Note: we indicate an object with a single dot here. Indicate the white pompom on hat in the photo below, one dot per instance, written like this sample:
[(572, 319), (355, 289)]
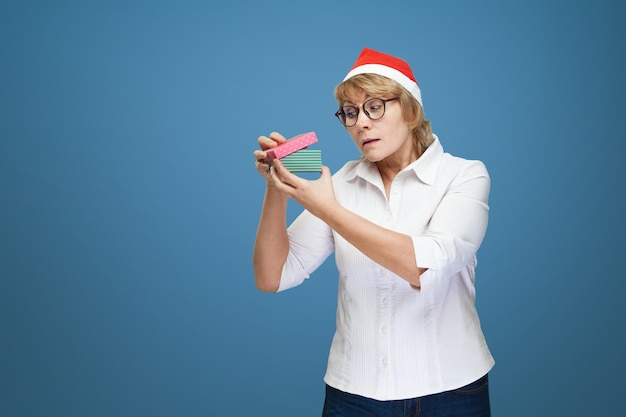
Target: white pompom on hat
[(374, 62)]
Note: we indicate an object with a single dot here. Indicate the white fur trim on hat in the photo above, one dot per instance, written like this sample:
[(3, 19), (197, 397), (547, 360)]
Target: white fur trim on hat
[(410, 85)]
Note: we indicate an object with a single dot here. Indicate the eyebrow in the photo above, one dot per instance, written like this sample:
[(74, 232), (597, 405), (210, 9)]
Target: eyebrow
[(351, 104)]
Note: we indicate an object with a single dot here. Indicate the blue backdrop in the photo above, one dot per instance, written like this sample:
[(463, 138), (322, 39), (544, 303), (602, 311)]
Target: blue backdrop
[(129, 198)]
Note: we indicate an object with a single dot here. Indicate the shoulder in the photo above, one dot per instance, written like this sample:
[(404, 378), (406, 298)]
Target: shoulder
[(457, 166), (437, 166), (464, 177)]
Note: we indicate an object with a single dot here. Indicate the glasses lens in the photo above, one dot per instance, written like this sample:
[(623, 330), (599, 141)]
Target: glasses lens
[(348, 115), (375, 108)]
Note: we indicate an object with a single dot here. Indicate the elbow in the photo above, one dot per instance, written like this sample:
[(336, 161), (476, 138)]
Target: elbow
[(266, 277), (414, 278), (263, 287), (264, 284)]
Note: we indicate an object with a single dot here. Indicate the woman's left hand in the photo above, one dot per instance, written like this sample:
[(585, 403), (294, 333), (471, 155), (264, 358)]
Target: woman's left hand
[(317, 196)]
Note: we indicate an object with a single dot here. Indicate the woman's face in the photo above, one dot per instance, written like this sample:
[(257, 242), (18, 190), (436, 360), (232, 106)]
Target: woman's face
[(388, 138)]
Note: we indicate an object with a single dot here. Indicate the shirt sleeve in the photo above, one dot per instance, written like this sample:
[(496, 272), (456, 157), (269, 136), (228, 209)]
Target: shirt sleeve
[(310, 243), (459, 223)]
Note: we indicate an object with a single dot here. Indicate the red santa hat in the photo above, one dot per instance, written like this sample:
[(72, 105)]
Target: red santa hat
[(374, 62)]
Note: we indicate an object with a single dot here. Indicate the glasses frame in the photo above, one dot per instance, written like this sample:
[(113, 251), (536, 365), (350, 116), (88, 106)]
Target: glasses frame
[(340, 112)]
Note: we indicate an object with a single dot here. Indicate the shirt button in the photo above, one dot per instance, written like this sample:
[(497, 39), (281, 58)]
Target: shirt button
[(384, 361), (384, 330), (385, 301)]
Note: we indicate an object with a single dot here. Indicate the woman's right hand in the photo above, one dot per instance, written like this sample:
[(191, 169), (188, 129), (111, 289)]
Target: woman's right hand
[(266, 143)]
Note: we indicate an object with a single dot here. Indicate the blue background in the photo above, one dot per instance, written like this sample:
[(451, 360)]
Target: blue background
[(129, 198)]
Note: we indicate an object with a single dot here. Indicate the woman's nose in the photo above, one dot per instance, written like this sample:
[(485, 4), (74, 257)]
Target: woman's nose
[(363, 119)]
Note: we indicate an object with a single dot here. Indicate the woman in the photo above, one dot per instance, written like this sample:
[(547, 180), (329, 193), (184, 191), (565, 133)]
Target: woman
[(405, 222)]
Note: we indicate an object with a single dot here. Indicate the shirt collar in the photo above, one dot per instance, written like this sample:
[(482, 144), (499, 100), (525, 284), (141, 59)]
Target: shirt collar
[(425, 167)]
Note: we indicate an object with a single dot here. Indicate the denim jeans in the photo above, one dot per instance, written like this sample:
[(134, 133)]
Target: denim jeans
[(471, 400)]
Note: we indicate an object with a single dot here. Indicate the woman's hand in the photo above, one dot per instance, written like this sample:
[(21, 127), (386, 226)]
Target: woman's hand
[(266, 143), (317, 196)]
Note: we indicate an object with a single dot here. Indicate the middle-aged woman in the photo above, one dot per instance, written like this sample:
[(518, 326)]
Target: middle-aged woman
[(405, 222)]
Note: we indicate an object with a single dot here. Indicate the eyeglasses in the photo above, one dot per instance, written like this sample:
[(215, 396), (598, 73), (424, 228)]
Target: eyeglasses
[(374, 108)]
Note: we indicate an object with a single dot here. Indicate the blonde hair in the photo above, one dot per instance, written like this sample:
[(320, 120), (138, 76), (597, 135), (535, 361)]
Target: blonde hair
[(375, 85)]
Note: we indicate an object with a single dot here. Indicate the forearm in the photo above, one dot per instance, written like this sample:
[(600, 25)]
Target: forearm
[(392, 250), (271, 245)]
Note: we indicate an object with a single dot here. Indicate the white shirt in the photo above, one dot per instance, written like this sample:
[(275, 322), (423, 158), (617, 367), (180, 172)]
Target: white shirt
[(393, 341)]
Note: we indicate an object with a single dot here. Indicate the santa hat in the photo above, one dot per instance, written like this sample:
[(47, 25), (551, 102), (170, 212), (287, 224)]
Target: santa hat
[(374, 62)]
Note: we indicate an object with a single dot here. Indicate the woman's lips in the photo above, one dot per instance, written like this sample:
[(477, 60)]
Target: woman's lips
[(368, 141)]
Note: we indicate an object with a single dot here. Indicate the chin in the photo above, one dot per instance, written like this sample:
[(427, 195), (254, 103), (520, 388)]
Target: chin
[(373, 158)]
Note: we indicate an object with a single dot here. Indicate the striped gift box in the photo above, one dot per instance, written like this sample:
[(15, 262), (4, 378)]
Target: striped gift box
[(305, 160), (295, 156)]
